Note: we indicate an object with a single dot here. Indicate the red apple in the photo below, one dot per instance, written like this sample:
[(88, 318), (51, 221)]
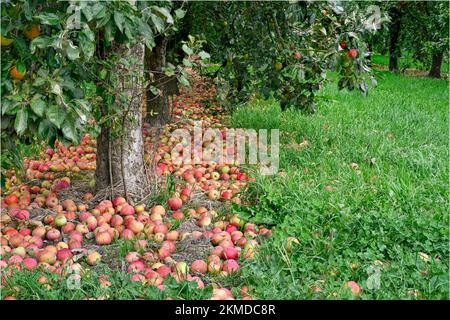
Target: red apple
[(159, 210), (226, 195), (214, 267), (127, 234), (136, 226), (175, 203), (178, 215), (136, 267), (118, 201), (53, 234), (353, 53), (30, 263), (204, 221), (64, 255), (47, 257), (132, 256), (230, 253), (355, 288), (230, 266), (127, 210), (116, 220), (137, 278), (199, 266), (103, 238), (160, 228), (163, 271), (93, 258)]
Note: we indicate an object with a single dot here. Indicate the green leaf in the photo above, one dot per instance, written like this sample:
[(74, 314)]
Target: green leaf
[(82, 109), (183, 80), (187, 50), (204, 55), (102, 74), (157, 22), (169, 70), (105, 18), (109, 32), (38, 105), (47, 130), (180, 13), (56, 88), (154, 90), (68, 129), (41, 78), (187, 63), (165, 12), (20, 124), (87, 12), (149, 41), (147, 33), (353, 35), (56, 115), (72, 51), (40, 42), (49, 18), (98, 10), (119, 19), (86, 41), (128, 32), (21, 46), (21, 67), (8, 105)]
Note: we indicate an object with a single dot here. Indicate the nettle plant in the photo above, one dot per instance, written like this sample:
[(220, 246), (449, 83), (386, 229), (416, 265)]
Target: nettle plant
[(284, 49)]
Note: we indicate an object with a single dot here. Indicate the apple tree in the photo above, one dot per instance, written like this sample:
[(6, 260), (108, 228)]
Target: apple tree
[(283, 48), (71, 68)]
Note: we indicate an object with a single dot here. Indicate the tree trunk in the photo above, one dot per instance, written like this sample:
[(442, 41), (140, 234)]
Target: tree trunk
[(102, 176), (435, 71), (125, 155), (394, 34), (158, 112)]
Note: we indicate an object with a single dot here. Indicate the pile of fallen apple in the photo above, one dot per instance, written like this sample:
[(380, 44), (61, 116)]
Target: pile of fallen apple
[(64, 240)]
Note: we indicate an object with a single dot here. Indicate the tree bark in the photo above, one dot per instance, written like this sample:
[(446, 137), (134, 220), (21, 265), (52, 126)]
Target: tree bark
[(125, 155), (102, 176), (435, 70), (394, 34), (158, 112)]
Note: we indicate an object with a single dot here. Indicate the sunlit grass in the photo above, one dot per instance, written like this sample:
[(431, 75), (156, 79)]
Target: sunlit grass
[(390, 209)]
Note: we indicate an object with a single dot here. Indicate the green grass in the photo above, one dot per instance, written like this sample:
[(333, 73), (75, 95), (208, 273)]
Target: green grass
[(392, 208), (24, 285), (407, 62), (13, 153)]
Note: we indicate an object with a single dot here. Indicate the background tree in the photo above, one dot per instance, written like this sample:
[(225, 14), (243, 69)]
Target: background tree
[(424, 35), (162, 83), (396, 11), (438, 40), (281, 48), (417, 35)]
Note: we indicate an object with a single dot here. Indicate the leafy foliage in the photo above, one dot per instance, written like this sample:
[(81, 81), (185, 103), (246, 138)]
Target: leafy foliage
[(67, 62), (423, 32), (282, 48)]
